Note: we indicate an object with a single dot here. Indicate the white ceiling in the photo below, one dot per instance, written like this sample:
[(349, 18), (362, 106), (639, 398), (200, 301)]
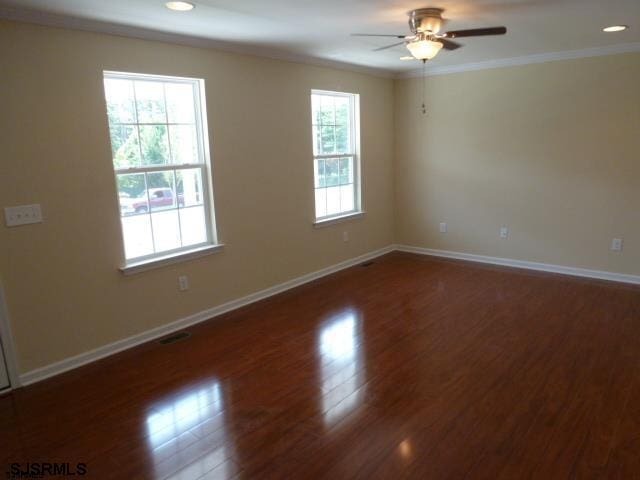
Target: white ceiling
[(320, 29)]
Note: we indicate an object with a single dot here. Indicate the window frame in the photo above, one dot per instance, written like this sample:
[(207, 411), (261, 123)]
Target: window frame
[(354, 136), (211, 244)]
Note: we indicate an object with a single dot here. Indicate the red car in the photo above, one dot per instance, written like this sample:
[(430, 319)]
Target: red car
[(160, 198)]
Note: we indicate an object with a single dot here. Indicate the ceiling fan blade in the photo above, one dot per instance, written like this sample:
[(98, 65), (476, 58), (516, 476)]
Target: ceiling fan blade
[(376, 35), (476, 32), (448, 44), (388, 46)]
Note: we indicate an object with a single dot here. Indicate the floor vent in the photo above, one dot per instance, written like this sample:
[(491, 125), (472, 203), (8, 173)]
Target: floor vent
[(366, 264), (176, 337)]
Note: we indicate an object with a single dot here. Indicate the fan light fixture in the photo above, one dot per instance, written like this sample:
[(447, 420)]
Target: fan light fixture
[(615, 28), (180, 6), (424, 49)]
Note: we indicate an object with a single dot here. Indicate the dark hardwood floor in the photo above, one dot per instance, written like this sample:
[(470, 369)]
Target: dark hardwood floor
[(412, 367)]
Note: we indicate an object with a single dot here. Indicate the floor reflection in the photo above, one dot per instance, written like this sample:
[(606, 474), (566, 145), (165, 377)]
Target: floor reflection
[(188, 437), (342, 365), (406, 449)]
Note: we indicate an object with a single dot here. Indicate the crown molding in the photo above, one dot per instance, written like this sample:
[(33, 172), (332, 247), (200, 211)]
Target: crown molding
[(523, 60), (48, 19)]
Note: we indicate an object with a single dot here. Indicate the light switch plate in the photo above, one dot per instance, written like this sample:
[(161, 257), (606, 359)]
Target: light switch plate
[(22, 215)]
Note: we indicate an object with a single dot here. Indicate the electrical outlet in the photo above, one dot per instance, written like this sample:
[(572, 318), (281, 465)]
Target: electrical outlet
[(443, 227), (504, 232), (22, 215), (616, 244), (183, 283), (345, 236)]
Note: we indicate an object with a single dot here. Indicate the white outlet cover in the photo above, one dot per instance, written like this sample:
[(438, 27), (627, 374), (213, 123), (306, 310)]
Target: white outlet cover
[(443, 227), (504, 232), (616, 244)]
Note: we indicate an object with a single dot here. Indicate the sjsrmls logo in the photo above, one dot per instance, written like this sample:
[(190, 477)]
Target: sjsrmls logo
[(46, 469)]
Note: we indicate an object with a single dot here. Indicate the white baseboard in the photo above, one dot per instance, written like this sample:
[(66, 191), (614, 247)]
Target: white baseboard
[(120, 345), (508, 262)]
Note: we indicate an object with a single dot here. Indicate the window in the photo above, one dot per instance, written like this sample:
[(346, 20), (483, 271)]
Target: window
[(160, 159), (335, 153)]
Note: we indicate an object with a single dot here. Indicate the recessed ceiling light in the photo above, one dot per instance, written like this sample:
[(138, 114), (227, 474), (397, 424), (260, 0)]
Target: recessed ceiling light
[(615, 28), (180, 6)]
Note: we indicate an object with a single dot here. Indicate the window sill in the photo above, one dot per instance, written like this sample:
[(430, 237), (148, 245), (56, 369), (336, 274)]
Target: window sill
[(342, 218), (144, 265)]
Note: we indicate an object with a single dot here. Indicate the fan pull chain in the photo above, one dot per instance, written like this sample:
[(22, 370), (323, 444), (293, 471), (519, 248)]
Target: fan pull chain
[(424, 81)]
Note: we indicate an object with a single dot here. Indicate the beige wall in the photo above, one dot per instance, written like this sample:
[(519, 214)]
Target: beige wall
[(550, 150), (65, 294)]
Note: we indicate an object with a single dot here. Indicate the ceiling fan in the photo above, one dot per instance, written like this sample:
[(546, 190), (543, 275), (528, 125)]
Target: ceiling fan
[(426, 40)]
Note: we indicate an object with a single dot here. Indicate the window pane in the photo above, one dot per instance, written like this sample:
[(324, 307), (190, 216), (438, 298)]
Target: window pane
[(317, 141), (132, 192), (346, 170), (193, 224), (120, 100), (316, 116), (184, 144), (327, 140), (136, 231), (150, 102), (321, 202), (327, 116), (189, 187), (347, 198), (180, 103), (342, 111), (319, 179), (125, 146), (155, 144), (333, 200), (166, 230), (342, 139), (332, 171), (161, 190)]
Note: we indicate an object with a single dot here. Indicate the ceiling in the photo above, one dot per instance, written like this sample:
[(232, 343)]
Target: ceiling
[(320, 29)]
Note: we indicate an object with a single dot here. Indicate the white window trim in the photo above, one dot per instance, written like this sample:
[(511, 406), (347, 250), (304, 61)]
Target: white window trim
[(325, 222), (169, 259), (357, 212), (155, 260)]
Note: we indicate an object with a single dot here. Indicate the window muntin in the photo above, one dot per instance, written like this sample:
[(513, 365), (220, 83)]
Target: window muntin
[(160, 160), (335, 153)]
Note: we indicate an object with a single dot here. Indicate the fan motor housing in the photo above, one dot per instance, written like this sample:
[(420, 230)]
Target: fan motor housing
[(425, 20)]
